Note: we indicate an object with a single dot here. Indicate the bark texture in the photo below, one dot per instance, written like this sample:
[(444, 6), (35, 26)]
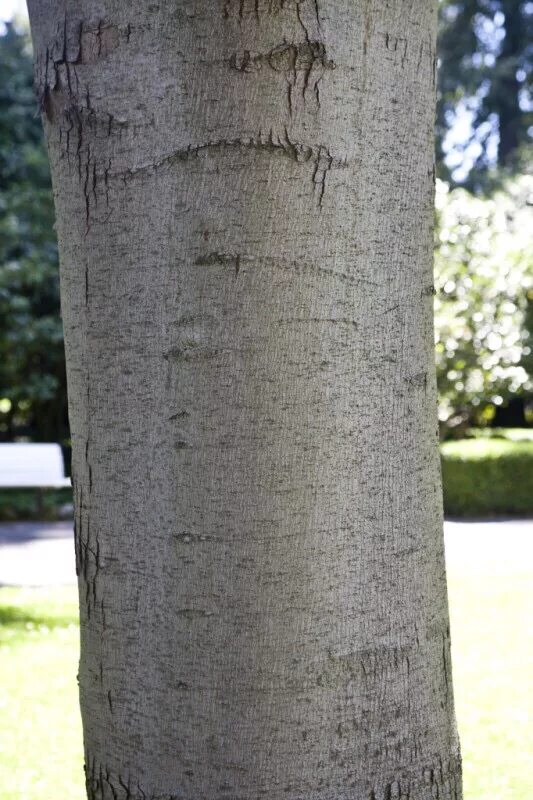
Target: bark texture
[(244, 194)]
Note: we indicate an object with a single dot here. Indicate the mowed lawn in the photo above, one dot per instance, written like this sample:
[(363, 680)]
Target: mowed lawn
[(40, 730)]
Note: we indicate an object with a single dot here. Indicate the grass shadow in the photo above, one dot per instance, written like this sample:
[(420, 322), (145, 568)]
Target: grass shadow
[(17, 617)]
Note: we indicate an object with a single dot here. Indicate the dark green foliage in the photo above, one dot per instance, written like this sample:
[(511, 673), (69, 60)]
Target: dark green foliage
[(32, 372), (488, 476), (485, 56), (33, 504)]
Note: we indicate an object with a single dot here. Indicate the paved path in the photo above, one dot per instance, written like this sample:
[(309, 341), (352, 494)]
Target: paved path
[(42, 554), (489, 548), (36, 554)]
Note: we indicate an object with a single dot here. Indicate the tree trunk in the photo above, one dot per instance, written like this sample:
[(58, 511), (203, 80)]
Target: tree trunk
[(244, 195)]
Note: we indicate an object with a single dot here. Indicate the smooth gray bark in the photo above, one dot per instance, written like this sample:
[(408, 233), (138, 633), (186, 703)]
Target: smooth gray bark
[(244, 195)]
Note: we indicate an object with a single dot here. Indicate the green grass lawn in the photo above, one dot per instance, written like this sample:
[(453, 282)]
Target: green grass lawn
[(40, 728), (492, 660), (40, 731)]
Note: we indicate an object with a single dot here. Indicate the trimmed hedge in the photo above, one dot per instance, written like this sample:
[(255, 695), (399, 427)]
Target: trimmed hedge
[(30, 504), (488, 476)]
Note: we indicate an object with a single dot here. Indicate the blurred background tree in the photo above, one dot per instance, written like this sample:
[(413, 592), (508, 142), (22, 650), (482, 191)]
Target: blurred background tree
[(484, 260), (484, 110), (32, 371)]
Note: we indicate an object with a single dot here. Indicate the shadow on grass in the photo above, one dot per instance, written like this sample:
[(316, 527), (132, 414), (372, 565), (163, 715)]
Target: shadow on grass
[(16, 617)]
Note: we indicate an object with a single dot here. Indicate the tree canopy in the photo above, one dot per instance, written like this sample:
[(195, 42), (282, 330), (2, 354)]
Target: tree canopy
[(32, 372), (484, 82)]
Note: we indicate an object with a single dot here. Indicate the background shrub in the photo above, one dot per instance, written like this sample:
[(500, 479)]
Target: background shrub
[(488, 475)]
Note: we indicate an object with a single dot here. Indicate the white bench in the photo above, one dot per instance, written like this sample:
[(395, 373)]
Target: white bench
[(32, 465)]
